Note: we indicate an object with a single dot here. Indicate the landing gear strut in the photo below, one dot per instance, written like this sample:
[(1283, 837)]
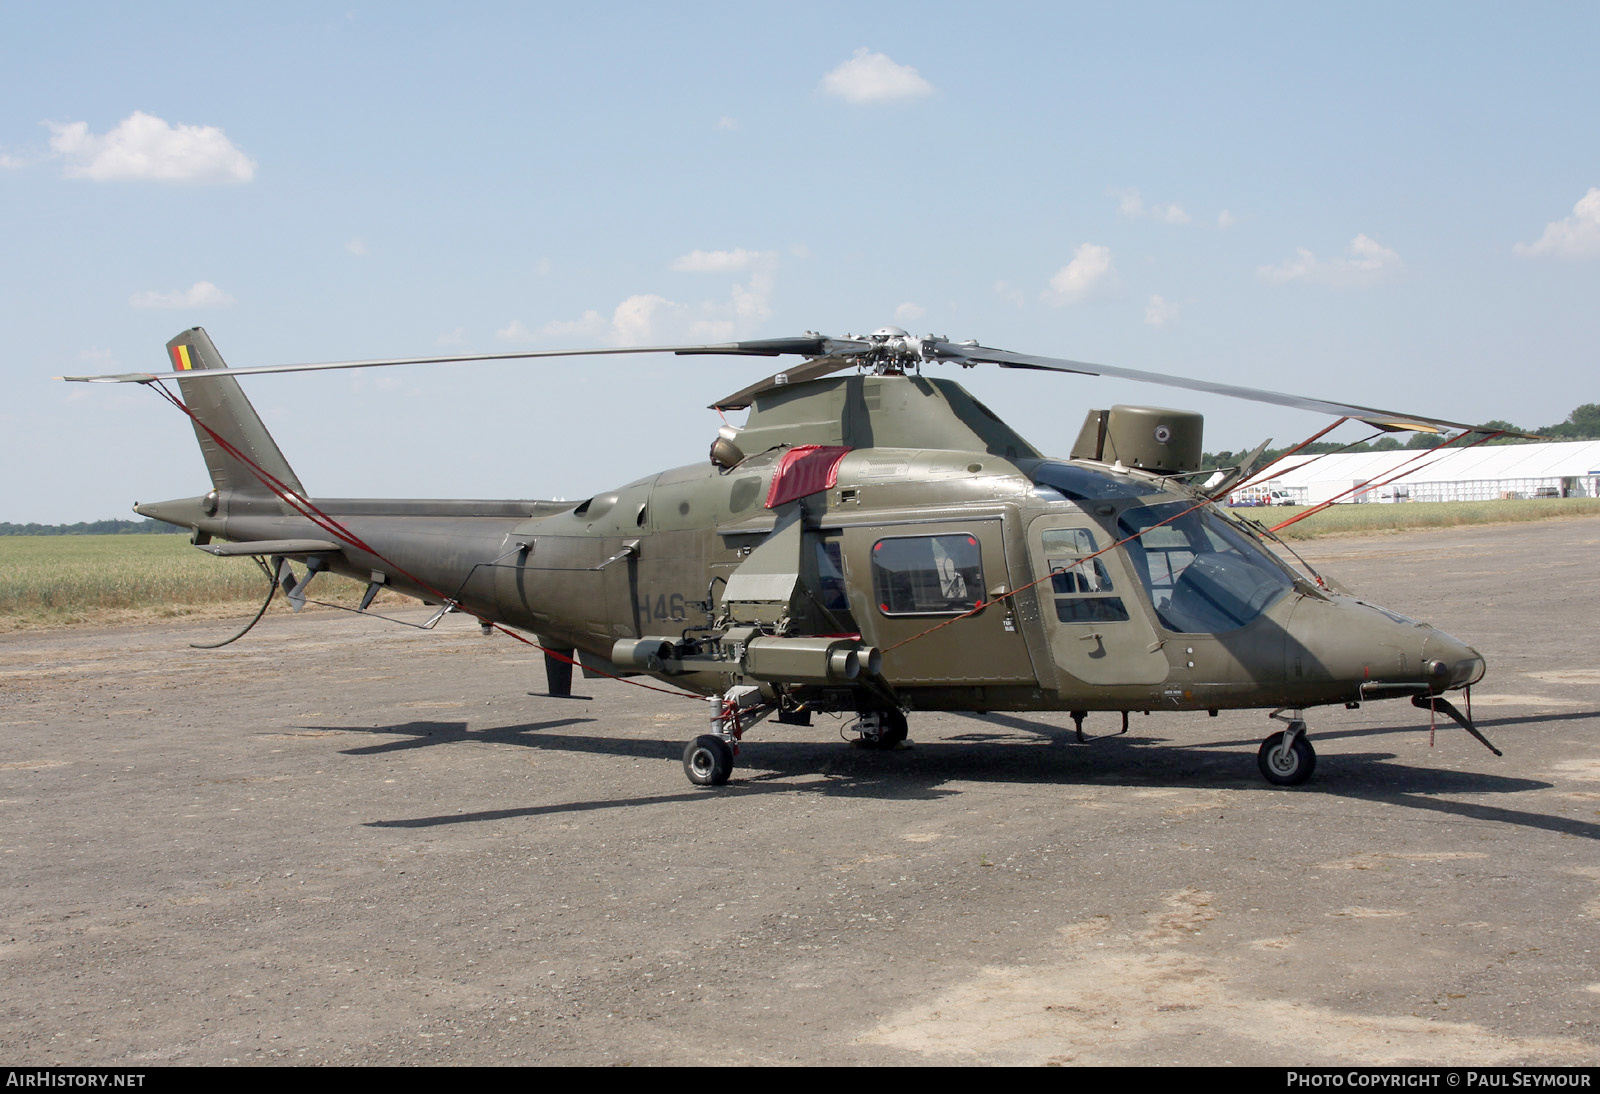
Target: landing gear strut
[(1287, 758), (708, 759)]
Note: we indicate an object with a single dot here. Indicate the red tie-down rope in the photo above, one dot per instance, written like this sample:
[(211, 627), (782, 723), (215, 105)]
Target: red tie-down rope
[(306, 508)]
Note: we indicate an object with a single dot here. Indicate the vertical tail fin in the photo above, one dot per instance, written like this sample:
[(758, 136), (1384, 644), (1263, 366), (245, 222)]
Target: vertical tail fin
[(222, 406)]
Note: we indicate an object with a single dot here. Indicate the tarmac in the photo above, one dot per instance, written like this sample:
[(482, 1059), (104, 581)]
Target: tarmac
[(341, 841)]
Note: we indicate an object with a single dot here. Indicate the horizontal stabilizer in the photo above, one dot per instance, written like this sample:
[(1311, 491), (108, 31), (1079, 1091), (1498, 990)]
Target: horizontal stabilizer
[(271, 547)]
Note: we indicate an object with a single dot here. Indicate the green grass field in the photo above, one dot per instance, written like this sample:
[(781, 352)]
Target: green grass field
[(1409, 516), (63, 580), (57, 580)]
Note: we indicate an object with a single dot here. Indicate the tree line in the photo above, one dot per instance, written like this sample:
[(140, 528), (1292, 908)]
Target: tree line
[(91, 528)]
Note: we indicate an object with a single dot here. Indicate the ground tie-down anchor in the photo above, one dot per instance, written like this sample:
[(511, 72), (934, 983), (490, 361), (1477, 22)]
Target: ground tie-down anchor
[(1432, 703)]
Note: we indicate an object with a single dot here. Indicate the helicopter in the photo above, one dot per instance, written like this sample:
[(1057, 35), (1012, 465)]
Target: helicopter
[(871, 542)]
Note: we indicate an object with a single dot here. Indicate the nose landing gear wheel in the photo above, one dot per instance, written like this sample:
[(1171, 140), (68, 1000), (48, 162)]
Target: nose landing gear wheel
[(708, 761), (1287, 766)]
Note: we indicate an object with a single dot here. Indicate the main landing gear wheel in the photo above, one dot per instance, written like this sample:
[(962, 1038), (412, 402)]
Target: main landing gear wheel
[(890, 733), (708, 761), (1287, 766)]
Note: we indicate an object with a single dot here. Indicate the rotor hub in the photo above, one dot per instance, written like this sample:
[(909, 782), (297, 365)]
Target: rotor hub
[(893, 350)]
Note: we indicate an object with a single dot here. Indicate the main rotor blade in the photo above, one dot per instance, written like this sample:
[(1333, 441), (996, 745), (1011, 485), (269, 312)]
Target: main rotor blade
[(828, 355), (807, 345), (1383, 419)]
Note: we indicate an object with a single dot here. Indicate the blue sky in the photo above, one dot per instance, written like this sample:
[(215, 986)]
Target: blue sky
[(1387, 204)]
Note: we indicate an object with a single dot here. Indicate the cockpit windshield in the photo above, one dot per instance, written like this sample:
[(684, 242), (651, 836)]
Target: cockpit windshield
[(1201, 574)]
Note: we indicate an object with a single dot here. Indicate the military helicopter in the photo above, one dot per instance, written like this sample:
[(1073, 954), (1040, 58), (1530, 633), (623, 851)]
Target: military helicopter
[(872, 543)]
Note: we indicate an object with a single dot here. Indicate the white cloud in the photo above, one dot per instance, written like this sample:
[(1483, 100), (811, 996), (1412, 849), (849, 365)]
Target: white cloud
[(1009, 293), (515, 331), (457, 337), (145, 147), (1090, 270), (202, 294), (1132, 207), (356, 247), (800, 250), (909, 312), (1368, 256), (753, 302), (1303, 265), (711, 330), (871, 77), (720, 261), (589, 326), (728, 124), (749, 303), (634, 319), (648, 318), (1226, 219), (1576, 236), (1364, 261), (632, 323), (1160, 312)]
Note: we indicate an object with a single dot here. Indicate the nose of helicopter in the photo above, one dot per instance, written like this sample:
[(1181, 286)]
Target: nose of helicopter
[(1448, 662), (1345, 639)]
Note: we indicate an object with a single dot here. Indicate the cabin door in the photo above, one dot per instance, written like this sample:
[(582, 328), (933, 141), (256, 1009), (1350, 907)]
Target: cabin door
[(904, 580), (1092, 607)]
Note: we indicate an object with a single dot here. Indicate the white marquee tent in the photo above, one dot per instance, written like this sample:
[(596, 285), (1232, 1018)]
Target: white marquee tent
[(1546, 469)]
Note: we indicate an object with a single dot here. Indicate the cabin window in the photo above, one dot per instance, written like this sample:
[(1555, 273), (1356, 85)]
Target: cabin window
[(927, 575), (1202, 576), (1079, 582)]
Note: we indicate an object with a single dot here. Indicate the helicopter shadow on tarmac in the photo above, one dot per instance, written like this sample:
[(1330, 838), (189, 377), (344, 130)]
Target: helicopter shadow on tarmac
[(1058, 733), (934, 769), (432, 734), (1365, 776)]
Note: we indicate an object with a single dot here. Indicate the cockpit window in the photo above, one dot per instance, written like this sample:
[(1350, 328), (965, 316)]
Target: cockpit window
[(1080, 583), (1202, 576), (1091, 484)]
